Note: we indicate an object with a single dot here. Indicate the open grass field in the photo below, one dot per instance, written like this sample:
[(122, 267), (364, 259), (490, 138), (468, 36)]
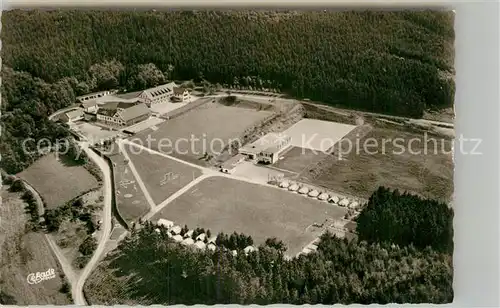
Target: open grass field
[(23, 252), (130, 201), (297, 159), (222, 204), (206, 129), (58, 181), (161, 176), (403, 163)]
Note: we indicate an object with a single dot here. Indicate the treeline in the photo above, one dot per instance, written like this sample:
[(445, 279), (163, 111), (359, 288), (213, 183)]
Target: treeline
[(390, 62), (159, 271), (404, 219), (382, 269), (377, 61)]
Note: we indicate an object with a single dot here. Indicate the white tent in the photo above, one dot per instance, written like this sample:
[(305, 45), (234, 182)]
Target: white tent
[(211, 247), (177, 238), (354, 205), (284, 184), (323, 197), (201, 237), (344, 202), (303, 190), (334, 199), (293, 187), (249, 249), (187, 241), (313, 193), (188, 234), (176, 230), (213, 239), (200, 245), (166, 223)]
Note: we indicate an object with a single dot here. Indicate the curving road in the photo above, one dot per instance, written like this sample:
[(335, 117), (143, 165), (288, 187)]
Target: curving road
[(77, 289)]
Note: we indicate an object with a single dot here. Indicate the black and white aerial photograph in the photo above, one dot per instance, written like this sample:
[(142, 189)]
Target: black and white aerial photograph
[(227, 156)]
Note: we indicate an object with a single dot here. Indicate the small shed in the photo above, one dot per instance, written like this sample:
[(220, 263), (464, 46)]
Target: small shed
[(334, 199), (323, 197), (176, 230), (187, 241), (293, 187), (177, 238), (200, 245), (304, 190), (313, 193)]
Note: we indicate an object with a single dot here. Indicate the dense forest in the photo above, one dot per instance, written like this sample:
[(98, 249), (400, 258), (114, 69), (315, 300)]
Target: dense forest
[(148, 267), (406, 219), (390, 62)]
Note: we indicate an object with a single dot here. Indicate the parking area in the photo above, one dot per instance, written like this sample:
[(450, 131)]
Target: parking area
[(94, 133)]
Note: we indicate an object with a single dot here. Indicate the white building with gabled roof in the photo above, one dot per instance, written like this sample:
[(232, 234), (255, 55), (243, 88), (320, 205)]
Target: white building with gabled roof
[(158, 95)]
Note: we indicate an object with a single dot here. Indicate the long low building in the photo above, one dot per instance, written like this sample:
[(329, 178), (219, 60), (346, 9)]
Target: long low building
[(267, 149)]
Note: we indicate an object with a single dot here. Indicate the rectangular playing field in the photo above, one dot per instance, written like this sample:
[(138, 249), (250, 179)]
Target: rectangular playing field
[(316, 134), (206, 129), (161, 176), (226, 205)]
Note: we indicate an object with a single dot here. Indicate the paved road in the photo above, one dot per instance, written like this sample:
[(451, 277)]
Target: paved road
[(77, 289)]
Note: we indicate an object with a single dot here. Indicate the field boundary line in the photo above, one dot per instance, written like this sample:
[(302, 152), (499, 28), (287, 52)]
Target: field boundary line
[(152, 204)]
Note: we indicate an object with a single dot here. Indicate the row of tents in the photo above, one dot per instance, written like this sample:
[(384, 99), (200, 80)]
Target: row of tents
[(201, 242), (323, 196)]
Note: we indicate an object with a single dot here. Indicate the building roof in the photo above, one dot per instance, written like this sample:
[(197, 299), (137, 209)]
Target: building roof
[(135, 112), (270, 143), (129, 95), (94, 93), (90, 103), (249, 249), (189, 233), (74, 114), (211, 246), (201, 237), (179, 90), (159, 90), (213, 239), (188, 241), (177, 238)]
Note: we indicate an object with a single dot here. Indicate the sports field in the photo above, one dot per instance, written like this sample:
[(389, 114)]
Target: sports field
[(206, 129), (161, 176), (225, 205), (316, 134), (58, 181)]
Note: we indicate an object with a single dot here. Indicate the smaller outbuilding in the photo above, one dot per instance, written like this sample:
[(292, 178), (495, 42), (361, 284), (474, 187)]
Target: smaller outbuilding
[(211, 247), (293, 187), (188, 234), (284, 184), (201, 237), (344, 202)]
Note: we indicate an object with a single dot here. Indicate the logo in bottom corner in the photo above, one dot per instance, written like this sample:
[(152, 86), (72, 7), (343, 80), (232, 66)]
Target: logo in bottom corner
[(35, 278)]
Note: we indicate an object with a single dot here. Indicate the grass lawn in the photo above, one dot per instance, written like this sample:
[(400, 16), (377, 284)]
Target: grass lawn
[(222, 204), (58, 181), (23, 252), (162, 176), (360, 174)]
